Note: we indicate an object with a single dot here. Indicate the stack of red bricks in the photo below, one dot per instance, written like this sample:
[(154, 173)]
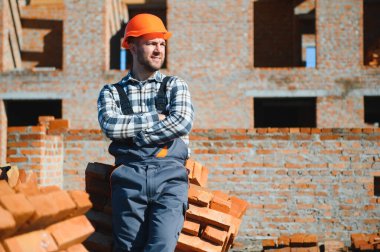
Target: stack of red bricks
[(212, 220), (294, 243), (365, 242), (34, 218)]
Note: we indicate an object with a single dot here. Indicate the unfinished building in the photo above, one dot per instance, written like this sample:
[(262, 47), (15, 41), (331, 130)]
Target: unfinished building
[(286, 94)]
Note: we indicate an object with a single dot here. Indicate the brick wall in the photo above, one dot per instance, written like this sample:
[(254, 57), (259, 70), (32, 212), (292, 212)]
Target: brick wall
[(296, 180), (350, 114), (80, 148), (3, 133), (221, 76), (31, 149)]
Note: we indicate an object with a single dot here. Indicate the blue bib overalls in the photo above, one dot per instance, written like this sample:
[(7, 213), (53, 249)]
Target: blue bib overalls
[(149, 195)]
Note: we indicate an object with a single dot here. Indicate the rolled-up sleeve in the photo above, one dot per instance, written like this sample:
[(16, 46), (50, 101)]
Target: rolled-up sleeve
[(179, 121), (114, 124)]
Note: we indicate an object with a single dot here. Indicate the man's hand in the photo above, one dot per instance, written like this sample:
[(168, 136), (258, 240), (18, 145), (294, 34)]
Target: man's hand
[(161, 116)]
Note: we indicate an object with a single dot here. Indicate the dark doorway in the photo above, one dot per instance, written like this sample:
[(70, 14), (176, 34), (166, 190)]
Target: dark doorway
[(285, 112), (26, 112)]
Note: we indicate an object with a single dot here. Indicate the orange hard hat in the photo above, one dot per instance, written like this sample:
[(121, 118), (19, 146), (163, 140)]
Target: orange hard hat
[(143, 24)]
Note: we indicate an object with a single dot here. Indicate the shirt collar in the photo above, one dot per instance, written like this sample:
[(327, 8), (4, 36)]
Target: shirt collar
[(156, 77)]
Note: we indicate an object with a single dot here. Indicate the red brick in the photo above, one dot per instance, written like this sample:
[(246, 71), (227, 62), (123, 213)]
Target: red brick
[(232, 233), (28, 185), (238, 207), (310, 238), (18, 206), (268, 243), (194, 243), (210, 216), (236, 225), (81, 200), (16, 159), (63, 202), (214, 235), (199, 195), (18, 129), (283, 240), (331, 245), (308, 249), (70, 232), (5, 188), (197, 174), (297, 238), (34, 241), (366, 246), (58, 126), (204, 177), (48, 189), (7, 223), (373, 238), (220, 202), (359, 243), (191, 227), (358, 236), (46, 211)]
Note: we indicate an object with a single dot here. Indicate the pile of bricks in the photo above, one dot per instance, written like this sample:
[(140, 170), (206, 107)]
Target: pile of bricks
[(34, 218), (365, 242), (212, 220), (294, 243)]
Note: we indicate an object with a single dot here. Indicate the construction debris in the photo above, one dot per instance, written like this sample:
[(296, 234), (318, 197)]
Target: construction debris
[(34, 218), (212, 220), (365, 242)]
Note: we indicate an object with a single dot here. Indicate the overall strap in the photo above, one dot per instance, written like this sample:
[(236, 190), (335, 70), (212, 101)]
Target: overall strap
[(161, 101), (126, 106)]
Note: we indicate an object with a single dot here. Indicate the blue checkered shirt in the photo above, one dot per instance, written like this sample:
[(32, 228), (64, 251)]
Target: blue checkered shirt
[(144, 126)]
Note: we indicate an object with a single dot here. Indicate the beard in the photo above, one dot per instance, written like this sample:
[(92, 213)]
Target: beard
[(149, 65)]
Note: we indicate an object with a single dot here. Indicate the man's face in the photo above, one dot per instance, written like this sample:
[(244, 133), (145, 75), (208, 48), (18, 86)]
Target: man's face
[(150, 53)]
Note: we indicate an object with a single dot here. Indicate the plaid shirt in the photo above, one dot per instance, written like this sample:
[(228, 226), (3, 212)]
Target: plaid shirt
[(144, 125)]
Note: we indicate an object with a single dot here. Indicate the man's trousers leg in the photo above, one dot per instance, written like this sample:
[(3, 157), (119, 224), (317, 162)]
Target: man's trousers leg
[(129, 208), (167, 207), (149, 203)]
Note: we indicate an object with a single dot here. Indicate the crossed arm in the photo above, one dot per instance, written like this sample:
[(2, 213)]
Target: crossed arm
[(150, 127)]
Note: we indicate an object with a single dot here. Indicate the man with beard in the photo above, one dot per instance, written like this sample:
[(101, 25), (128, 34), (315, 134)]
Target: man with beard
[(148, 117)]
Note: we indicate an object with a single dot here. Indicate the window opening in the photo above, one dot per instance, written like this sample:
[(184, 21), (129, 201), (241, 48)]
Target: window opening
[(283, 32), (285, 112), (26, 112), (371, 32), (371, 110)]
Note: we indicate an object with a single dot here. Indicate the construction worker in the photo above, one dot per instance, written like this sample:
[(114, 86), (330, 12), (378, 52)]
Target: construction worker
[(148, 117)]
